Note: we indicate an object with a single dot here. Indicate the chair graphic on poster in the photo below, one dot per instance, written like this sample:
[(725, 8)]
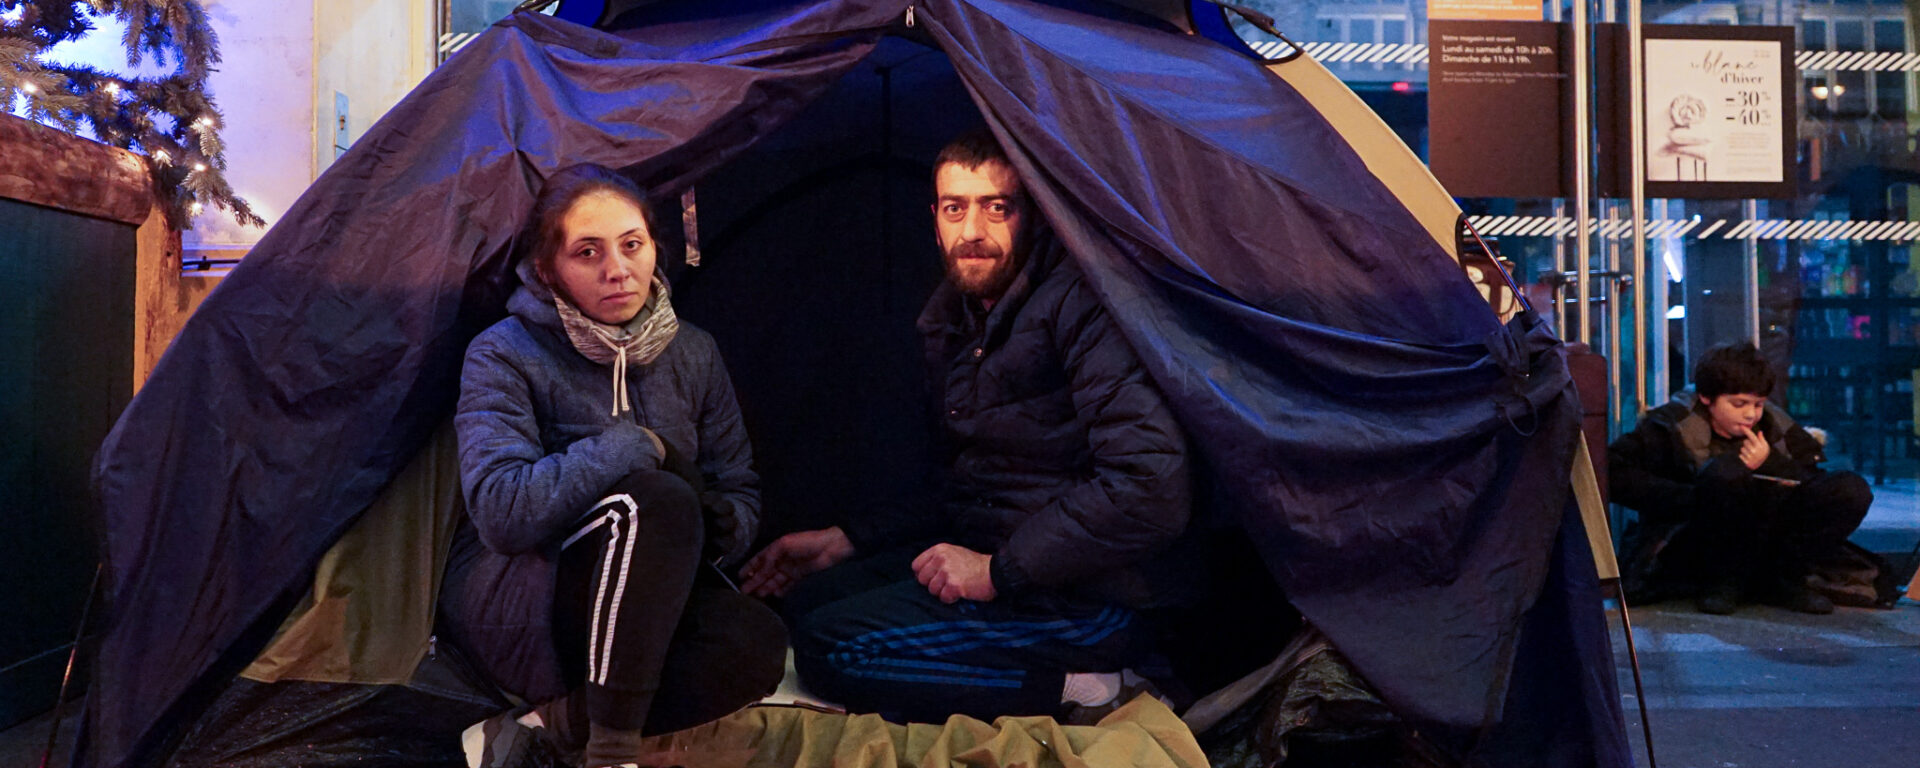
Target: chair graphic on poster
[(1686, 143)]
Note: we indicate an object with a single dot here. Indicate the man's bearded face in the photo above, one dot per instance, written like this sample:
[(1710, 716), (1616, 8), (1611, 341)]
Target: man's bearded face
[(979, 215)]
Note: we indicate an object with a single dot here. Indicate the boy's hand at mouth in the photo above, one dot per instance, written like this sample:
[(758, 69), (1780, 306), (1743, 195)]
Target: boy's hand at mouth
[(1754, 449)]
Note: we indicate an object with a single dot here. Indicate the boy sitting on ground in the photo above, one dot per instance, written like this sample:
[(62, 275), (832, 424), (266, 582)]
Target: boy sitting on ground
[(1733, 504)]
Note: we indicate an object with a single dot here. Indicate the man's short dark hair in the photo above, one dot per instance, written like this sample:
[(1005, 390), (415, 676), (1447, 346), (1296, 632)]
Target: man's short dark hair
[(971, 149), (1733, 369)]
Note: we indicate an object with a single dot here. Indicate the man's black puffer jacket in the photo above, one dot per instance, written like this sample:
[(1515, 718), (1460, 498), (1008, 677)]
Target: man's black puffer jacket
[(1063, 460)]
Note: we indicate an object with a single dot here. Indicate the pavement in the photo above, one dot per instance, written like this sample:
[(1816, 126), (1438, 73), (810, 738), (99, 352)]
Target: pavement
[(1769, 688), (1893, 523)]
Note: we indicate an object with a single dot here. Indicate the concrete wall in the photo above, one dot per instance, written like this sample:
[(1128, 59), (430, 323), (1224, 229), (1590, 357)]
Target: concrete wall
[(373, 52), (283, 63), (264, 87)]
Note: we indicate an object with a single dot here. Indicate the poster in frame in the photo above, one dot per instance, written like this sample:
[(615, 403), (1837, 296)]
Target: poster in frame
[(1721, 111)]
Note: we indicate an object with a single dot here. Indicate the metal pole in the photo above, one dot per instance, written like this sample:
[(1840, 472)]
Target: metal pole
[(1656, 314), (1556, 12), (1610, 266), (1616, 393), (60, 699), (1582, 173), (1751, 266), (1645, 317), (1559, 269)]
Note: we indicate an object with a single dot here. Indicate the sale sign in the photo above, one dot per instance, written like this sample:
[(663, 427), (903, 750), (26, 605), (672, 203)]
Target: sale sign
[(1713, 111), (1719, 111)]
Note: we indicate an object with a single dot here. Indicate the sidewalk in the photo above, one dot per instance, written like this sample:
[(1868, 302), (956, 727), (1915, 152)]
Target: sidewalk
[(1893, 524), (1768, 688)]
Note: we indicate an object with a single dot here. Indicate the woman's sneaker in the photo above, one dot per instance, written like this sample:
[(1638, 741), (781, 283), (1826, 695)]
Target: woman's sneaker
[(502, 741), (1132, 684)]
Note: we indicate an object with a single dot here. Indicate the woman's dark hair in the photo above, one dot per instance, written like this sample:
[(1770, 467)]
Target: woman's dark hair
[(560, 192), (1733, 369)]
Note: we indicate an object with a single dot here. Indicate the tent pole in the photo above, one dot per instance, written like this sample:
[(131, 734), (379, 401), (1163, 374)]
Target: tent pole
[(886, 187), (60, 700), (1513, 289), (1633, 660)]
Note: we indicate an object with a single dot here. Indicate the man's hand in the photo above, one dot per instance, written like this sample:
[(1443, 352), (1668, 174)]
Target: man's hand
[(1754, 449), (952, 572), (789, 558)]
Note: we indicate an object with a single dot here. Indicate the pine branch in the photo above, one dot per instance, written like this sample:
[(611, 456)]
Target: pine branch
[(53, 21), (171, 118), (133, 38), (17, 53)]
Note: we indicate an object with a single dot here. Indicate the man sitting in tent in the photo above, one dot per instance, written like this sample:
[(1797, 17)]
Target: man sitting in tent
[(1730, 492), (1067, 477)]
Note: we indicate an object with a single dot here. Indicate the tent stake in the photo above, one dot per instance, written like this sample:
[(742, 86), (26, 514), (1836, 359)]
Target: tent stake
[(60, 701), (1633, 660)]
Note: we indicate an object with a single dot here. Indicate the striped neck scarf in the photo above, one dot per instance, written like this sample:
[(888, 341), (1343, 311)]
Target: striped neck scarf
[(639, 341)]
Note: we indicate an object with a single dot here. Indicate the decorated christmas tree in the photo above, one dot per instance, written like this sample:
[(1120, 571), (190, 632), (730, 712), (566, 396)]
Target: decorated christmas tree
[(169, 118)]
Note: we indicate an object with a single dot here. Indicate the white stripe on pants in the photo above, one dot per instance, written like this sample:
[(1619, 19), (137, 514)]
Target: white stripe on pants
[(622, 515)]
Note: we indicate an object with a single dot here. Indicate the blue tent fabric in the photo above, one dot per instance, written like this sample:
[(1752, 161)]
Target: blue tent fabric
[(1398, 456), (307, 379)]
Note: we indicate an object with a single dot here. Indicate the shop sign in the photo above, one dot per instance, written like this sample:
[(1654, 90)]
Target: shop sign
[(1486, 10), (1497, 107)]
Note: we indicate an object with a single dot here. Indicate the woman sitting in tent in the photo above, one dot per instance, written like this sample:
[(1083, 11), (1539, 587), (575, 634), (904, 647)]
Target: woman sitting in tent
[(605, 465)]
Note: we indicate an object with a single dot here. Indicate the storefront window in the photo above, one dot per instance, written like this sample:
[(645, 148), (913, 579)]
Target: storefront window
[(474, 15), (463, 20), (1825, 281)]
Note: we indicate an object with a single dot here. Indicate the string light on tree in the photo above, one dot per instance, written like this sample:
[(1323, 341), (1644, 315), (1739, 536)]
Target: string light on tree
[(166, 117)]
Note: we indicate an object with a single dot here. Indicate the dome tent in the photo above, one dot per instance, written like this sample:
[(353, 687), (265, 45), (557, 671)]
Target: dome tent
[(1398, 455)]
